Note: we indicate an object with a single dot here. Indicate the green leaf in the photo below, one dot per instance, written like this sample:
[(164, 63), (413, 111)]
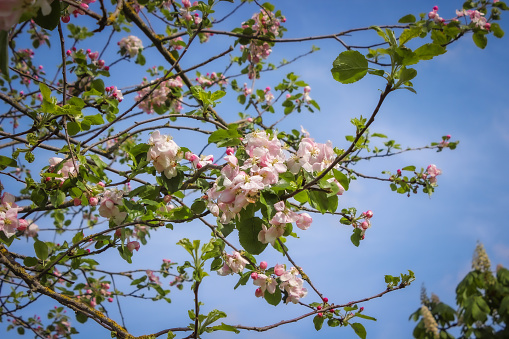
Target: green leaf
[(73, 127), (224, 327), (41, 250), (429, 51), (273, 299), (359, 330), (248, 235), (480, 39), (408, 168), (7, 162), (408, 34), (171, 335), (363, 316), (30, 261), (349, 67), (39, 197), (318, 321), (4, 52), (356, 237), (57, 198), (407, 19), (198, 206), (341, 178), (81, 317), (438, 37), (51, 20), (45, 91)]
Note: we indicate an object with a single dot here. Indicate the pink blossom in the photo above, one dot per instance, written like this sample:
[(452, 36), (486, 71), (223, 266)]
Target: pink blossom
[(303, 221)]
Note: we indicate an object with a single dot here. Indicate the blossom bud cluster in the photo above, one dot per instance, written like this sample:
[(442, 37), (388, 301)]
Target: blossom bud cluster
[(130, 45), (95, 292), (262, 23), (278, 223), (160, 96), (94, 57), (114, 93), (287, 281), (189, 15), (210, 79)]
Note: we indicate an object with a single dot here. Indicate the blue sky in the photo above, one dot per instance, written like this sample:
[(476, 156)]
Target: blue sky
[(462, 93)]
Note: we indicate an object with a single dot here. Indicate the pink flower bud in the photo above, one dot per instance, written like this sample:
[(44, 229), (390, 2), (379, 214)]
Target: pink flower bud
[(254, 275), (93, 201), (435, 8), (106, 68), (361, 309), (230, 150), (279, 270), (249, 119), (318, 308), (320, 315), (167, 198), (68, 52), (369, 214), (399, 172), (66, 19), (88, 250), (448, 136), (263, 265), (325, 300), (133, 245), (110, 299), (22, 225), (100, 183), (259, 292), (77, 201)]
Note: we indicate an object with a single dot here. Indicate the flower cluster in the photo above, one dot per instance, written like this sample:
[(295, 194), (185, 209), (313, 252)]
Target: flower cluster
[(161, 96), (476, 17), (68, 169), (109, 206), (429, 322), (287, 281), (234, 263), (312, 157), (239, 185), (12, 10), (278, 223), (164, 153), (130, 45), (199, 161), (9, 222), (431, 174)]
